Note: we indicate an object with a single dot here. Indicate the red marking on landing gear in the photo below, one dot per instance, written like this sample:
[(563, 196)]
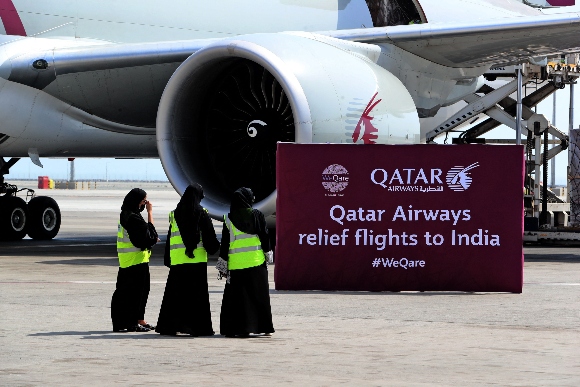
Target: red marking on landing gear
[(369, 132), (10, 18)]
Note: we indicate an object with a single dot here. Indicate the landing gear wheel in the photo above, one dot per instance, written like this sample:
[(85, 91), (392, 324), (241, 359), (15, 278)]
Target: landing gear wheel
[(13, 218), (44, 218)]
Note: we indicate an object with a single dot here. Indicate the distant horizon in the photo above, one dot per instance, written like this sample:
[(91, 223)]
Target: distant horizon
[(93, 169), (97, 180)]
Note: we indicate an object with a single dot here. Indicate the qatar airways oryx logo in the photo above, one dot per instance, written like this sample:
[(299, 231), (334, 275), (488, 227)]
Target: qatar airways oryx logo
[(459, 178), (423, 180), (365, 132), (335, 178)]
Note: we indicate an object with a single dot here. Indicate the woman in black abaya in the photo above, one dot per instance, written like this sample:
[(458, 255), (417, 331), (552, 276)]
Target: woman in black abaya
[(246, 300), (185, 307), (132, 289)]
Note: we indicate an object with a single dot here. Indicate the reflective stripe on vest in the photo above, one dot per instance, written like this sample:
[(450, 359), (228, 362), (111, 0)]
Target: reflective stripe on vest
[(128, 254), (177, 248), (245, 249)]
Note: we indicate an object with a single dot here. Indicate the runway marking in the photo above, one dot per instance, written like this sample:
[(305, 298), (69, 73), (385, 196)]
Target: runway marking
[(553, 283)]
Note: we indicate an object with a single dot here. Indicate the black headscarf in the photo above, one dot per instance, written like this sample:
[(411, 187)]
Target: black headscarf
[(131, 205), (242, 215), (187, 215), (132, 200)]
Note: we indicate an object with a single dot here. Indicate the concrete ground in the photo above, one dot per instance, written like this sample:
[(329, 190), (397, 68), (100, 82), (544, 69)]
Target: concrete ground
[(55, 324)]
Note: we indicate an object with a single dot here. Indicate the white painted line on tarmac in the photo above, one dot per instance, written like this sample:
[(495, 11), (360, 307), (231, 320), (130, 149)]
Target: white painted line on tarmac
[(69, 282), (553, 283)]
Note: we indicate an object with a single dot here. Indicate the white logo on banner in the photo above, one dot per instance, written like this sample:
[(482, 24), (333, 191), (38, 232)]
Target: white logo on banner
[(335, 178), (459, 179)]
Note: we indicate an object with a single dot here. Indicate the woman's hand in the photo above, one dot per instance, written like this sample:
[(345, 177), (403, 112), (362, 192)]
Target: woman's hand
[(149, 207)]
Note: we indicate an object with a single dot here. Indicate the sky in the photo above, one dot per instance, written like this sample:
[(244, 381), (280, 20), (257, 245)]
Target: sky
[(151, 169), (90, 169)]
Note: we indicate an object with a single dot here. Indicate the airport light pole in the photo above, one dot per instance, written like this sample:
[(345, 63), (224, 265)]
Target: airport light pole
[(72, 169)]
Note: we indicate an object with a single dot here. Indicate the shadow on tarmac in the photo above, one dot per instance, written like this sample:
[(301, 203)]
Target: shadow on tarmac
[(101, 250), (543, 257), (154, 261), (86, 247), (96, 251), (73, 333), (381, 293), (99, 335)]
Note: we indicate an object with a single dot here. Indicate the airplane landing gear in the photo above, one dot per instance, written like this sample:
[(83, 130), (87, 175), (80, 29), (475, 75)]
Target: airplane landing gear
[(44, 218), (13, 218), (40, 218)]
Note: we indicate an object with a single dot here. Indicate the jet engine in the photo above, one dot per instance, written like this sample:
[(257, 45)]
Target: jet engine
[(226, 107)]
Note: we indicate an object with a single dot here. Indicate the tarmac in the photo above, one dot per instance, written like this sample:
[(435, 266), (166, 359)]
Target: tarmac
[(55, 322)]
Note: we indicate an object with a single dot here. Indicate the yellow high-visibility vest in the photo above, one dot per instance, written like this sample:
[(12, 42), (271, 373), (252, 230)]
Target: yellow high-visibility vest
[(129, 255), (177, 248), (245, 249)]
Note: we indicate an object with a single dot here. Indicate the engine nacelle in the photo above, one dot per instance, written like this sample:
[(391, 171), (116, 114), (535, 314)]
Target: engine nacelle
[(226, 107)]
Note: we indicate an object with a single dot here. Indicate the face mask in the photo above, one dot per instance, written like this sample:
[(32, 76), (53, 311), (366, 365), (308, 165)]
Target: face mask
[(142, 208)]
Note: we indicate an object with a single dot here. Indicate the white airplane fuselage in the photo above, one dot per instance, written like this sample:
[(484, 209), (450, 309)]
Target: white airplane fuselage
[(196, 82), (34, 118), (133, 21)]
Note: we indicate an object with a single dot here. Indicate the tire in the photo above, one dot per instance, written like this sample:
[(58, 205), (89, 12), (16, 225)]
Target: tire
[(13, 218), (44, 218)]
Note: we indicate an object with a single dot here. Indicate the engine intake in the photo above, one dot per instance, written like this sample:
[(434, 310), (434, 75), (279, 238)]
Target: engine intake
[(226, 107)]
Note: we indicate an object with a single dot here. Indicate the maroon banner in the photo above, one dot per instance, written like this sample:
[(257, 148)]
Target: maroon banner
[(561, 3), (399, 217)]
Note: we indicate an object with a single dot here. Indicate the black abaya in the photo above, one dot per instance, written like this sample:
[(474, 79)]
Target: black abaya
[(185, 307), (130, 296), (132, 289), (246, 303)]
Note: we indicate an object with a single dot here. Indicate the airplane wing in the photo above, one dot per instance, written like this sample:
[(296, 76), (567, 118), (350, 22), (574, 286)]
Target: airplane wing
[(477, 43), (134, 74), (208, 108), (468, 44), (96, 58)]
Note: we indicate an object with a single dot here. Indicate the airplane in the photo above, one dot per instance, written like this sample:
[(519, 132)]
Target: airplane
[(211, 87)]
